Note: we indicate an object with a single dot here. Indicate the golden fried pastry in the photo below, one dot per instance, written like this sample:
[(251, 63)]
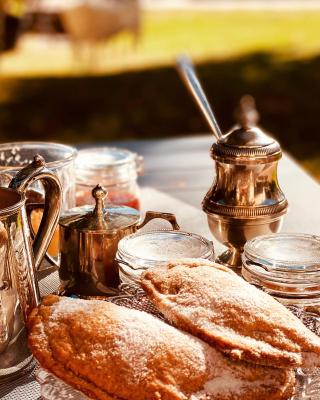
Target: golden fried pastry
[(213, 303), (112, 352)]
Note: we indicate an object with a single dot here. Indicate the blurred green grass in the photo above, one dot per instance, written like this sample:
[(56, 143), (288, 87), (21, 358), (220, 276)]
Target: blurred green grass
[(232, 33), (135, 93), (212, 34)]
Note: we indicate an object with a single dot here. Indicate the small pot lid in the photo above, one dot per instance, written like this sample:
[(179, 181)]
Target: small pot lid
[(246, 141), (100, 218)]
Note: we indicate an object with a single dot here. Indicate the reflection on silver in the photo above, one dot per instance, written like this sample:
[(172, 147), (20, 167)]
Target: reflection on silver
[(245, 199), (19, 292), (89, 238)]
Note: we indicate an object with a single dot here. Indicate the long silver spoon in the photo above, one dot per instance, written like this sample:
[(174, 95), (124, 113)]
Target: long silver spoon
[(190, 79)]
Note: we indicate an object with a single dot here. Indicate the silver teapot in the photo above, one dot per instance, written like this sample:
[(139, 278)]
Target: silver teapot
[(20, 260)]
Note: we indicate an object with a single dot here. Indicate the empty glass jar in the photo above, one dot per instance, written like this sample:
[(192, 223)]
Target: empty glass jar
[(287, 266), (115, 169), (59, 159)]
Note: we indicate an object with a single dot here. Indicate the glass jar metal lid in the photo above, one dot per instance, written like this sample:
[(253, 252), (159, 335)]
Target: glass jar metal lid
[(147, 249), (286, 265)]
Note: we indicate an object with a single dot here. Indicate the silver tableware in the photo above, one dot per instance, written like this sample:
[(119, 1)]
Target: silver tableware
[(189, 76), (89, 238), (245, 199), (19, 261)]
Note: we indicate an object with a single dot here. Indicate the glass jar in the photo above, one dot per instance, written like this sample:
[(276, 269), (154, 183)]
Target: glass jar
[(59, 159), (141, 251), (115, 169), (287, 266)]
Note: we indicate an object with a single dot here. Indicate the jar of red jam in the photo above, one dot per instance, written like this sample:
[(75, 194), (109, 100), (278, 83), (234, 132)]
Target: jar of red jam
[(116, 169)]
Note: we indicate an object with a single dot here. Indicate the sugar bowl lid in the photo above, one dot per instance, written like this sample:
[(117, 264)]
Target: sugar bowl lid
[(246, 141), (100, 218)]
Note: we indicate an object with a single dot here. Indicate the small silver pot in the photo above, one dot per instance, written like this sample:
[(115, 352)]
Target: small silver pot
[(89, 239)]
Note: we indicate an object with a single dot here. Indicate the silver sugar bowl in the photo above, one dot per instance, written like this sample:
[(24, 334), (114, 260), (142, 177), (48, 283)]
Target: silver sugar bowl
[(245, 199)]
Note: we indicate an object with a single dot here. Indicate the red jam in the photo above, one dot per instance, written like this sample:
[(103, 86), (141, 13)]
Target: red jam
[(118, 198)]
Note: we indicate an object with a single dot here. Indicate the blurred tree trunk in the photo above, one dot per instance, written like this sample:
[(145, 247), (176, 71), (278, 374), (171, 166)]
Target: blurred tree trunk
[(2, 16), (10, 31)]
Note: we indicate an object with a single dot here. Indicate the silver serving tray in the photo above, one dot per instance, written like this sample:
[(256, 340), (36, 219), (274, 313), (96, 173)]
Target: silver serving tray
[(308, 381)]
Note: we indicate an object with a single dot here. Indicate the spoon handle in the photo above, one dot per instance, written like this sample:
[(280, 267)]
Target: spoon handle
[(189, 77)]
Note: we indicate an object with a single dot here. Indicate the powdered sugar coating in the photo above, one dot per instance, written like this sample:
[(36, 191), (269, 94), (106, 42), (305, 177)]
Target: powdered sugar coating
[(211, 301), (130, 354)]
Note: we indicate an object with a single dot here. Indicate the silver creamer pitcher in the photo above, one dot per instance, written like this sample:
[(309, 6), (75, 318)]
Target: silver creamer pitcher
[(20, 259)]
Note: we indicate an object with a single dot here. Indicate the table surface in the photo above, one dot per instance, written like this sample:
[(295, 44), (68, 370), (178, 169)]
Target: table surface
[(181, 171)]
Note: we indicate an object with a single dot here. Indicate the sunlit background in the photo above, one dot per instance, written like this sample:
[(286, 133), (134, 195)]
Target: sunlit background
[(96, 70)]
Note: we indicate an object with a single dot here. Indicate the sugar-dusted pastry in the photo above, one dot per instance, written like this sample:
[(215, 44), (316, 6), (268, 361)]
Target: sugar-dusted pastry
[(213, 303), (112, 352)]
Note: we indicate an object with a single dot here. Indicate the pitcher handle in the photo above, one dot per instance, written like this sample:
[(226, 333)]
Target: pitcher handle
[(37, 171), (39, 206)]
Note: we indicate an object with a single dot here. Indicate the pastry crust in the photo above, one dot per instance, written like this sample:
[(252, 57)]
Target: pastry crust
[(115, 353), (213, 303)]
